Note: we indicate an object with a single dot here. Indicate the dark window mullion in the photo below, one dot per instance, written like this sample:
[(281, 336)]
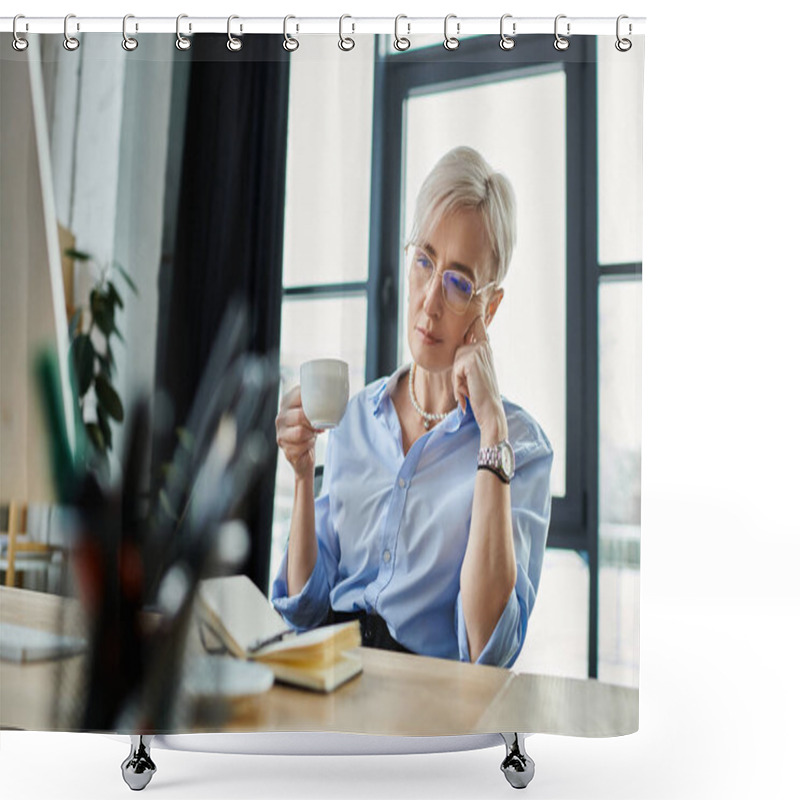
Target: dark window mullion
[(326, 290), (631, 269)]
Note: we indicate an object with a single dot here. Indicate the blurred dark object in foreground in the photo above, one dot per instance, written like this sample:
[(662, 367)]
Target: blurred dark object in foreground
[(124, 560)]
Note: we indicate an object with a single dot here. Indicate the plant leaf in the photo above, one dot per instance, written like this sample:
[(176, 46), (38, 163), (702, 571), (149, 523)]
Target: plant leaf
[(108, 398), (127, 277), (96, 436), (83, 358), (102, 421), (116, 330), (79, 254), (114, 295), (102, 312), (105, 365)]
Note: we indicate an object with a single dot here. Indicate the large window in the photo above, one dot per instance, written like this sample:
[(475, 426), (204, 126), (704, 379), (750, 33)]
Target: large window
[(518, 123), (619, 91), (532, 112), (326, 251)]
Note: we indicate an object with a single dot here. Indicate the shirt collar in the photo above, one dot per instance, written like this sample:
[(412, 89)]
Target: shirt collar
[(382, 392), (384, 388)]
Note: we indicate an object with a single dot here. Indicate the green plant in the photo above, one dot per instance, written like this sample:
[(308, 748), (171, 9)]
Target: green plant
[(95, 366)]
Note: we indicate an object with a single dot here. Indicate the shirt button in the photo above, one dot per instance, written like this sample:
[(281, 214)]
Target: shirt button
[(401, 483), (387, 556)]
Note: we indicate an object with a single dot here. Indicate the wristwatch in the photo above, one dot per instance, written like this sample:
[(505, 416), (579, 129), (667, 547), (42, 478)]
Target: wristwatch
[(499, 459)]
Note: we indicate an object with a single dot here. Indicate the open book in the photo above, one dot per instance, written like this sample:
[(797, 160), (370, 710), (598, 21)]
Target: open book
[(236, 612)]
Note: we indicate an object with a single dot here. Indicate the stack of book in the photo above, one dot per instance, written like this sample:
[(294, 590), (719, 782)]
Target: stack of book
[(238, 616)]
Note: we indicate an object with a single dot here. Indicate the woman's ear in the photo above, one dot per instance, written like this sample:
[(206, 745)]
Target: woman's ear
[(491, 308)]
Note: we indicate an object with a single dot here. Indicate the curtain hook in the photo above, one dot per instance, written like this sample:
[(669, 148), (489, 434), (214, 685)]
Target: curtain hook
[(290, 43), (128, 42), (181, 42), (233, 44), (70, 42), (451, 42), (19, 44), (401, 43), (623, 45), (507, 42), (345, 42), (560, 42)]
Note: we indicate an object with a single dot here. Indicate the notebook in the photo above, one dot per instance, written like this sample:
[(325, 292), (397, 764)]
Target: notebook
[(235, 611)]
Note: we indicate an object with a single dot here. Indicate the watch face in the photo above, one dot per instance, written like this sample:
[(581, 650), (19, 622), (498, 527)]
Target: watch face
[(507, 460)]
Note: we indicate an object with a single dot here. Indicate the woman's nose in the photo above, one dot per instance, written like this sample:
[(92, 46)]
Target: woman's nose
[(433, 295)]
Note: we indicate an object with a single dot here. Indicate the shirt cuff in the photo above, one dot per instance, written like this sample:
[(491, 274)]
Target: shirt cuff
[(506, 640), (309, 607)]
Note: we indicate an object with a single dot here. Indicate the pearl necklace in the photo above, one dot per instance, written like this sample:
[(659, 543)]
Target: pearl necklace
[(428, 419)]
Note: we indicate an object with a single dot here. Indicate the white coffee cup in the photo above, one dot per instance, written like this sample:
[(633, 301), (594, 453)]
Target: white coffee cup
[(324, 391)]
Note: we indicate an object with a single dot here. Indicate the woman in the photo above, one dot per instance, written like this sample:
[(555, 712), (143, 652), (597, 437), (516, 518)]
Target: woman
[(425, 528)]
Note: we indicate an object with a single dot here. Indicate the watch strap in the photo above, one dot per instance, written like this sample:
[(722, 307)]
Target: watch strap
[(492, 457), (497, 471)]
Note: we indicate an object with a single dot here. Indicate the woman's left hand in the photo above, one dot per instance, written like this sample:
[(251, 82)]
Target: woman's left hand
[(474, 377)]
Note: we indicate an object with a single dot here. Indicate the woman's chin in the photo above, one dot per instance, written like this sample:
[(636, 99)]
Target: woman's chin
[(430, 359)]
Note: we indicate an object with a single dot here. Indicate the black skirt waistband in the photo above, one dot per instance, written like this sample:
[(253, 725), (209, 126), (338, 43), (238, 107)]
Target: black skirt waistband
[(374, 631)]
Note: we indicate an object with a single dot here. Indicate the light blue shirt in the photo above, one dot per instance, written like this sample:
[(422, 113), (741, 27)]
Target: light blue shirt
[(392, 528)]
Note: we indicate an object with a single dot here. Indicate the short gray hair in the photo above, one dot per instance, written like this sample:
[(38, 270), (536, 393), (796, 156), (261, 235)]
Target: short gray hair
[(462, 179)]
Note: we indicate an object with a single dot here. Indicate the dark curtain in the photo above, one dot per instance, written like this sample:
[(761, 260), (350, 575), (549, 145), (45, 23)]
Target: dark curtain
[(229, 233)]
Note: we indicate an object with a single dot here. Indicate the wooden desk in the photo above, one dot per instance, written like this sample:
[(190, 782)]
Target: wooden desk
[(397, 694)]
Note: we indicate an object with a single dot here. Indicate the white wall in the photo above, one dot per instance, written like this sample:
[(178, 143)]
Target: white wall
[(109, 113), (140, 210)]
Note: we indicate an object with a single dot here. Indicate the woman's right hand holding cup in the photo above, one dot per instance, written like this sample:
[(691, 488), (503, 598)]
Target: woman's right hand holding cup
[(295, 434)]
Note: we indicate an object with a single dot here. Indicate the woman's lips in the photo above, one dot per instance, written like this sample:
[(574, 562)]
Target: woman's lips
[(426, 337)]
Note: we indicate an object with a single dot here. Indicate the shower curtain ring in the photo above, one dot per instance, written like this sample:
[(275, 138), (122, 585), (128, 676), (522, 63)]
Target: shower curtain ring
[(560, 42), (290, 43), (19, 44), (70, 42), (401, 43), (345, 42), (233, 44), (507, 42), (181, 42), (451, 42), (623, 45), (128, 42)]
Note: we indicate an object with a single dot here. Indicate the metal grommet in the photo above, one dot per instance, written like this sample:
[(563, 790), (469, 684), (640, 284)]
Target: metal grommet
[(70, 42), (623, 45), (128, 42), (181, 42), (451, 42), (233, 44), (19, 44), (506, 42), (401, 43), (290, 43), (560, 42), (345, 42)]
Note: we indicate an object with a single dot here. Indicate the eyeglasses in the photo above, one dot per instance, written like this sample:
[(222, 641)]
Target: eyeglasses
[(457, 289)]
